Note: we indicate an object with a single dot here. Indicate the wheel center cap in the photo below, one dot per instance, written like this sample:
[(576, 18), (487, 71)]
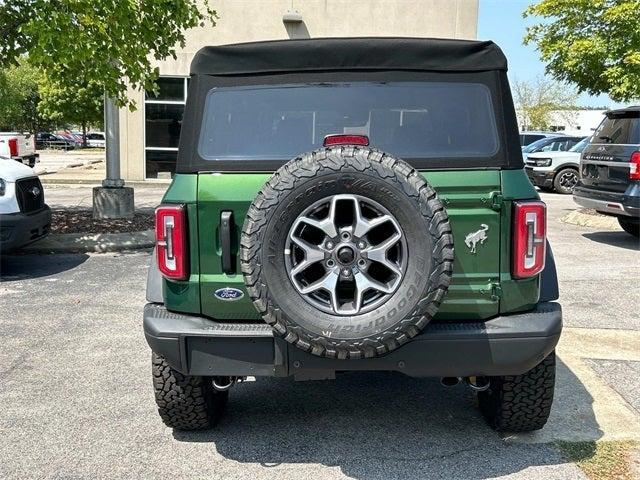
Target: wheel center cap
[(346, 255)]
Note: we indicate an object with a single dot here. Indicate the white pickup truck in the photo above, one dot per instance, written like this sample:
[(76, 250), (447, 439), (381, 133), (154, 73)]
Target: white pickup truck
[(24, 217), (20, 147)]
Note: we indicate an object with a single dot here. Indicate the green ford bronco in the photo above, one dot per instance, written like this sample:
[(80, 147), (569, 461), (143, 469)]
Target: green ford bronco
[(352, 205)]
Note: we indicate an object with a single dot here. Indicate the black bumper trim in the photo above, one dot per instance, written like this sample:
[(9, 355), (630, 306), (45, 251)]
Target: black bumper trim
[(540, 179), (505, 345), (20, 229)]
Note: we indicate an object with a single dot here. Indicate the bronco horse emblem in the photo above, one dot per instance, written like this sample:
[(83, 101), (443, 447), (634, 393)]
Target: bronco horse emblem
[(472, 239)]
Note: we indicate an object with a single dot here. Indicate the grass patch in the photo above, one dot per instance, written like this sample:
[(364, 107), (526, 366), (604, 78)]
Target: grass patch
[(609, 460)]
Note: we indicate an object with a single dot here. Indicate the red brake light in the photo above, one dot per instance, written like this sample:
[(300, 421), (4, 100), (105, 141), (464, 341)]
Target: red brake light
[(341, 139), (13, 147), (529, 238), (634, 170), (171, 241)]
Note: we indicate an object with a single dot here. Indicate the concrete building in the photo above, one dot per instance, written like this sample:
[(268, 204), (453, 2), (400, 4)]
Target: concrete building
[(149, 136), (571, 122)]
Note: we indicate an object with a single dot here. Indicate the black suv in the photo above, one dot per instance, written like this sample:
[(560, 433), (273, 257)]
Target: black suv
[(610, 169)]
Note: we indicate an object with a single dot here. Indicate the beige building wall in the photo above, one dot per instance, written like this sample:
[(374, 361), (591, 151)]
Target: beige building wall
[(251, 20)]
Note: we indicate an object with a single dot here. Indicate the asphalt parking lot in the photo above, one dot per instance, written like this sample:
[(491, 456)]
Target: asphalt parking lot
[(75, 386)]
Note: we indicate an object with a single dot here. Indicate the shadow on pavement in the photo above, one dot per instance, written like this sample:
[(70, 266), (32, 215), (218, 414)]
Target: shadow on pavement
[(616, 239), (385, 425), (21, 267)]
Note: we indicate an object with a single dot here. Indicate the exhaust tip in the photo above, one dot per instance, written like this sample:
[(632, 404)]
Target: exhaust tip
[(450, 381)]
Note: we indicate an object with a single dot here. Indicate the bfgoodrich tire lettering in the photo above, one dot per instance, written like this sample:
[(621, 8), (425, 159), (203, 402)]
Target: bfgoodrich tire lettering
[(185, 402), (520, 403), (361, 172)]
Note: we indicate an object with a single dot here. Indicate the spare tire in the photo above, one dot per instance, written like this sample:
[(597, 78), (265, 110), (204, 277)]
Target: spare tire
[(347, 252)]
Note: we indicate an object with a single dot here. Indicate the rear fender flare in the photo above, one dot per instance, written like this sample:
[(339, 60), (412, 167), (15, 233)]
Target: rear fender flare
[(549, 278), (154, 281)]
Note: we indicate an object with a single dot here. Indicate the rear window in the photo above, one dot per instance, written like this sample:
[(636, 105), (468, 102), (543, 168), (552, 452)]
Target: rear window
[(620, 128), (409, 119)]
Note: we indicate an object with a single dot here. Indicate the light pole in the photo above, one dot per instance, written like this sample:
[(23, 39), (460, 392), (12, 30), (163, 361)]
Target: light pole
[(112, 199)]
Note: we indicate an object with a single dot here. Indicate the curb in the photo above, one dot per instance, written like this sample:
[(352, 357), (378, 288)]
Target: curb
[(98, 182), (589, 218), (92, 243)]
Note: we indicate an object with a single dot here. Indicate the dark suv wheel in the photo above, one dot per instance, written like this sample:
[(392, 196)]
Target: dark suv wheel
[(630, 226), (520, 403)]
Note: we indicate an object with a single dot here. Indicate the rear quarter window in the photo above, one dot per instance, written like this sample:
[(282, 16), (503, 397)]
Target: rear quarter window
[(620, 129), (410, 119)]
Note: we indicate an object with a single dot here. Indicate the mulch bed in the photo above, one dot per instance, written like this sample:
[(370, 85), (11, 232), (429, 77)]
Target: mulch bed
[(82, 221)]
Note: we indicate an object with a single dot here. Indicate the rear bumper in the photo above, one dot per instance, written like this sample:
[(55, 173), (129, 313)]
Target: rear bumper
[(505, 345), (613, 203), (539, 178), (28, 159), (19, 229)]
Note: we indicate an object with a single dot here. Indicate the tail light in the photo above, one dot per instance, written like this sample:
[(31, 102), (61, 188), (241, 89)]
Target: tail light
[(341, 139), (634, 171), (13, 147), (529, 238), (171, 241)]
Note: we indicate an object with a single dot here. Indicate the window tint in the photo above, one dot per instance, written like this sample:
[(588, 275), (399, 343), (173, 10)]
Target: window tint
[(622, 128), (536, 146), (533, 138), (162, 124), (168, 89), (411, 120), (160, 163)]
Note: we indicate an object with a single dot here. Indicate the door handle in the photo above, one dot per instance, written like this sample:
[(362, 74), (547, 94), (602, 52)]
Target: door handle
[(227, 228)]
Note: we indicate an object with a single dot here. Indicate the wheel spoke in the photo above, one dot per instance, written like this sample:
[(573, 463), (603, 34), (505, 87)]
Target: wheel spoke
[(328, 282), (378, 253), (363, 225), (312, 254), (364, 282)]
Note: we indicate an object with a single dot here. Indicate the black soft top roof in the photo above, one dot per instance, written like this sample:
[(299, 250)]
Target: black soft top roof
[(326, 54)]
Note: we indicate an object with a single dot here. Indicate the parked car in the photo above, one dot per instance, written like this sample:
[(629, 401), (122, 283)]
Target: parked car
[(610, 169), (560, 143), (341, 259), (556, 171), (20, 147), (96, 140), (46, 140), (527, 138), (75, 140), (24, 217)]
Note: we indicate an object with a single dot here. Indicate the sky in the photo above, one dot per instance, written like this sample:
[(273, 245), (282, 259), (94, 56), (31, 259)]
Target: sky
[(502, 22)]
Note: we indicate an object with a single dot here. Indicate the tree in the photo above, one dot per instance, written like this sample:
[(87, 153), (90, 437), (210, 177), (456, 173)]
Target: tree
[(594, 44), (108, 43), (536, 100), (80, 103), (19, 98)]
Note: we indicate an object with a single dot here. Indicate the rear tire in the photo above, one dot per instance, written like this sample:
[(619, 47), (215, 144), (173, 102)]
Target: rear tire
[(631, 227), (565, 180), (520, 403), (185, 402)]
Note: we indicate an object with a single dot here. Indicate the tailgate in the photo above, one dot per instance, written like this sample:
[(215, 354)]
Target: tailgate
[(608, 170), (472, 199)]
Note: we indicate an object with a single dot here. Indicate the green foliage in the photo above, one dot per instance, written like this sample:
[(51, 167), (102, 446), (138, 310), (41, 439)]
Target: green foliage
[(19, 98), (80, 103), (109, 43), (537, 99), (594, 44)]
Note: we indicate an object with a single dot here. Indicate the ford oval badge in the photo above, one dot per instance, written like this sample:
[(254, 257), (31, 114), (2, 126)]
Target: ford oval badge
[(229, 294)]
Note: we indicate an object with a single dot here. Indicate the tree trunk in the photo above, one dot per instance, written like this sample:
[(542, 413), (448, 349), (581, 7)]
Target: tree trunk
[(84, 134)]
